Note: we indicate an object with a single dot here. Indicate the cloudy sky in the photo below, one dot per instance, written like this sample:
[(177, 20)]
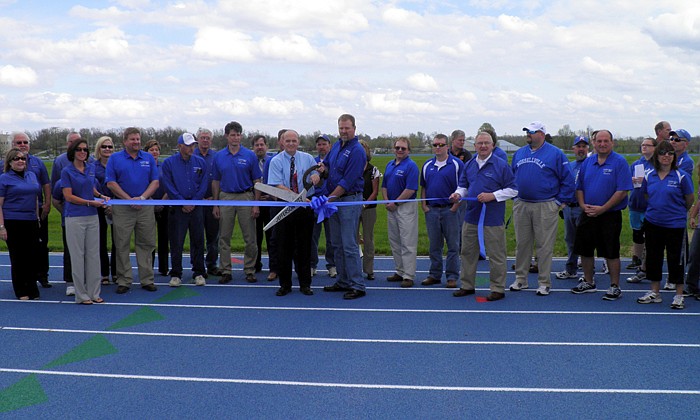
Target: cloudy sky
[(398, 66)]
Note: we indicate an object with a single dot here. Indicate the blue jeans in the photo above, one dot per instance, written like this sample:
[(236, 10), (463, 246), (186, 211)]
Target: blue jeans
[(178, 225), (571, 216), (443, 226), (344, 224), (330, 248), (693, 263)]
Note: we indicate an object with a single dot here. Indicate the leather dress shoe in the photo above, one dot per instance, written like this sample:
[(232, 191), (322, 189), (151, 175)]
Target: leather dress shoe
[(394, 277), (430, 281), (214, 271), (283, 291), (451, 284), (370, 276), (225, 278), (463, 292), (407, 283), (149, 287), (495, 296), (354, 294), (306, 291), (272, 276), (45, 284), (122, 289), (250, 278), (335, 287)]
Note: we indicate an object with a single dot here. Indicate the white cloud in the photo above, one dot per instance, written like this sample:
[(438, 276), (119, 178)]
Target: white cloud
[(516, 24), (17, 76), (393, 103), (294, 48), (423, 82), (402, 17), (680, 30), (224, 44), (607, 70)]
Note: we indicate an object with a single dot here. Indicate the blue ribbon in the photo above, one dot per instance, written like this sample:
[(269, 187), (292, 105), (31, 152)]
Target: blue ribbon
[(323, 208), (480, 231)]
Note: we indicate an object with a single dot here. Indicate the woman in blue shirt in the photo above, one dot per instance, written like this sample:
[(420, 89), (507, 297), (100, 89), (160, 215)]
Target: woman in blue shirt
[(161, 213), (19, 222), (82, 224), (669, 193), (103, 150)]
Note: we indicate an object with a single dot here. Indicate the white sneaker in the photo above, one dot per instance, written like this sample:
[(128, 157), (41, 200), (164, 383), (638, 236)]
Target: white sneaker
[(332, 272), (605, 269), (517, 286), (313, 271), (70, 290), (542, 291), (199, 280), (650, 297), (641, 275), (678, 302), (565, 275), (669, 286), (175, 282)]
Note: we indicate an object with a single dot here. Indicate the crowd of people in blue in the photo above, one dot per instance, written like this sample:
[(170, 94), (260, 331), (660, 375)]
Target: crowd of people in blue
[(462, 195)]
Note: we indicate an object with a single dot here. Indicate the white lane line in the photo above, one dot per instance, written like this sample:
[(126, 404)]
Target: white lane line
[(351, 340), (350, 385), (379, 310)]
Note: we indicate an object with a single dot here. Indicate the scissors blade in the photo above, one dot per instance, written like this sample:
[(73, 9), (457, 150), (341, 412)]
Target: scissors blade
[(276, 192), (286, 211)]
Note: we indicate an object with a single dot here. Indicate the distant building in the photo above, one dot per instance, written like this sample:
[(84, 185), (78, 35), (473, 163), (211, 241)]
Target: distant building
[(5, 143)]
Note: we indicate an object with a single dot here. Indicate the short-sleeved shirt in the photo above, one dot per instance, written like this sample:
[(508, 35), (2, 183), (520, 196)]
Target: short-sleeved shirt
[(81, 185), (21, 193), (132, 174), (638, 201), (184, 179), (666, 204), (440, 181), (686, 163), (599, 182), (57, 194), (100, 171), (37, 166), (463, 155), (236, 173), (400, 176), (280, 167)]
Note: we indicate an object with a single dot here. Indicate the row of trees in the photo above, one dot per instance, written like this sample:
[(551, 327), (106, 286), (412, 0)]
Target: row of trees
[(52, 141)]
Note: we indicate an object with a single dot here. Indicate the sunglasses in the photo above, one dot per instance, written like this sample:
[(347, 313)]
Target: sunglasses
[(439, 145), (398, 148), (531, 132), (21, 142), (18, 158), (82, 149), (106, 146), (667, 153), (676, 139)]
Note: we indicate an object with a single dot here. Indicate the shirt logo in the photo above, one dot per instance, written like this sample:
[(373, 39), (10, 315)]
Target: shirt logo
[(607, 171), (531, 160)]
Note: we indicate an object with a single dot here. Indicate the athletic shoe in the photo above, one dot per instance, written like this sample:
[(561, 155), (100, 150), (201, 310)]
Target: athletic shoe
[(650, 297), (605, 269), (175, 282), (517, 286), (613, 293), (584, 287), (199, 280), (641, 275), (70, 291), (332, 272), (635, 264), (542, 291), (678, 302), (669, 286), (566, 275)]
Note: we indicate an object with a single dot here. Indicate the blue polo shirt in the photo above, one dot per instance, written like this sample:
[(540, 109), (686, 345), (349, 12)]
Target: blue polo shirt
[(401, 176), (57, 193), (21, 193), (499, 153), (637, 201), (236, 173), (81, 184), (100, 171), (37, 166), (685, 163), (666, 204), (493, 176), (280, 166), (159, 193), (59, 163), (600, 182), (543, 175), (345, 164), (132, 174), (209, 159), (440, 181), (184, 179)]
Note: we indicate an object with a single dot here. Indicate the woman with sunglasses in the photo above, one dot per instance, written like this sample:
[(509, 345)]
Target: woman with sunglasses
[(82, 199), (19, 222), (103, 150), (669, 193)]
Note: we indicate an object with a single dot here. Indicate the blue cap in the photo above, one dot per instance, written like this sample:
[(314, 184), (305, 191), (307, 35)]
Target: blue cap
[(324, 137), (187, 139), (682, 134), (580, 139)]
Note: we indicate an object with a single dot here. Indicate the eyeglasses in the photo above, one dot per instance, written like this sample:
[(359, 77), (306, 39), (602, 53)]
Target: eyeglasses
[(21, 142), (106, 146), (400, 148), (676, 139), (532, 131), (647, 145), (667, 153), (82, 149), (439, 145), (18, 158)]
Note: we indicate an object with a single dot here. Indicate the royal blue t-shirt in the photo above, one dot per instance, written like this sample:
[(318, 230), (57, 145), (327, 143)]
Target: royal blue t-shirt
[(132, 174), (236, 173), (600, 182), (21, 193), (440, 182), (82, 185), (399, 177), (666, 204)]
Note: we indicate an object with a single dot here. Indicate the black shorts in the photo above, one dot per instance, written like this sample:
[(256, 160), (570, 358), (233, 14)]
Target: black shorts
[(600, 234)]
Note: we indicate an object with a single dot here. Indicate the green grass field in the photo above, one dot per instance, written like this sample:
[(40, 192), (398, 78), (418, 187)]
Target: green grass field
[(380, 235)]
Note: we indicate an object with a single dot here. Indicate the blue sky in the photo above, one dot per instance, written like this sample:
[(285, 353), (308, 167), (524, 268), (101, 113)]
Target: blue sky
[(398, 66)]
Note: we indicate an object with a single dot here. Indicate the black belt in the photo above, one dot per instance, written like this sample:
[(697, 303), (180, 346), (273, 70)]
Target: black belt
[(440, 206), (241, 192), (573, 205)]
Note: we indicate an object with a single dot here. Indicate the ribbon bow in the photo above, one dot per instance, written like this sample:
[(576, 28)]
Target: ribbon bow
[(323, 208)]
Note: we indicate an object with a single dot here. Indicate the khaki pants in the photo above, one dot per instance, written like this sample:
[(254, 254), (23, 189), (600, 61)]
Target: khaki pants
[(402, 226), (247, 225), (495, 242), (142, 223), (535, 222)]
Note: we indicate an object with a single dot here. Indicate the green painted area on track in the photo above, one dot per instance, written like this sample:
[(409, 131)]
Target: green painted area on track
[(23, 393), (142, 316), (181, 292), (96, 346)]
